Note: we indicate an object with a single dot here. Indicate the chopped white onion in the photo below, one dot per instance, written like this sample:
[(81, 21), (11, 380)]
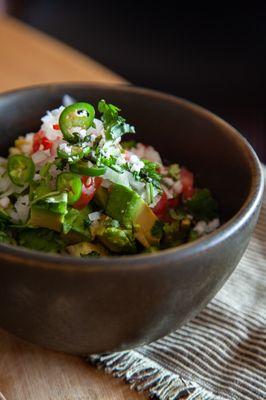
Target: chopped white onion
[(95, 216), (4, 202)]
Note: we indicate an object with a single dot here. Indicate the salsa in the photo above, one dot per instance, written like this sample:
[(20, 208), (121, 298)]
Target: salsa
[(75, 187)]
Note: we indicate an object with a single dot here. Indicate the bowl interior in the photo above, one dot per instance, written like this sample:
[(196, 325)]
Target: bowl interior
[(181, 131)]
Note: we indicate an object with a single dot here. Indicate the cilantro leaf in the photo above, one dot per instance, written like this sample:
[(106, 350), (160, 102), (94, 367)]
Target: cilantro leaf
[(115, 126), (202, 205), (40, 239), (157, 229), (5, 233), (150, 173)]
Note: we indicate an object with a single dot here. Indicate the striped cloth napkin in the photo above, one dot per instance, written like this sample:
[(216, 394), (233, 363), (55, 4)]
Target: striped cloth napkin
[(221, 354)]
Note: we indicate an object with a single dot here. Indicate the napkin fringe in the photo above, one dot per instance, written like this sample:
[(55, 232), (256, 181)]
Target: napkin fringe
[(146, 375)]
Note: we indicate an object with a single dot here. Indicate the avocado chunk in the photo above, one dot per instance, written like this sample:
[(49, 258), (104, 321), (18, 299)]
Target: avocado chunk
[(41, 217), (100, 197), (127, 207), (49, 211), (123, 205), (77, 221), (87, 249), (118, 240), (76, 226)]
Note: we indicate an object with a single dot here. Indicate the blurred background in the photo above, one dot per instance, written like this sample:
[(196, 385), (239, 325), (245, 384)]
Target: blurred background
[(215, 56)]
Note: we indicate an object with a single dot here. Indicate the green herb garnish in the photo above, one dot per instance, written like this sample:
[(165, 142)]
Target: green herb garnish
[(150, 173), (157, 229), (41, 239), (202, 205), (114, 124)]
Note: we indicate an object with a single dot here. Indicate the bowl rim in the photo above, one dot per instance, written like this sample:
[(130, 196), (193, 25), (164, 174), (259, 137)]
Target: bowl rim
[(39, 259)]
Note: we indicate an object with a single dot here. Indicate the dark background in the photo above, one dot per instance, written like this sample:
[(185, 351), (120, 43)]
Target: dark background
[(215, 56)]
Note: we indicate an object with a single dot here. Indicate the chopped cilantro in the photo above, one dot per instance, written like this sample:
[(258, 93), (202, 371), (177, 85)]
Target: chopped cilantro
[(5, 234), (157, 229), (40, 239), (5, 237), (150, 173), (115, 126), (202, 205), (173, 235), (108, 162), (177, 214)]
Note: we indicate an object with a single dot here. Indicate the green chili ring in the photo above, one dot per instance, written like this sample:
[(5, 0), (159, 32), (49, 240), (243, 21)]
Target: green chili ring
[(71, 184), (21, 169), (83, 168), (77, 115)]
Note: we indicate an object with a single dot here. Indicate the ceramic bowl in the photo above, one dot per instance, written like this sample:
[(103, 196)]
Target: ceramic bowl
[(84, 306)]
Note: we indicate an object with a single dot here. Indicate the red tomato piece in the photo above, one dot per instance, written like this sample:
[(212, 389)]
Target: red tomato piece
[(187, 181), (37, 141), (97, 181), (47, 144), (40, 139), (172, 203), (88, 190), (56, 127), (161, 205), (85, 197)]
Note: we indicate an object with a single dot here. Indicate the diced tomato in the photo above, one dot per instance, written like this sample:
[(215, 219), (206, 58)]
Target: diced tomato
[(97, 182), (187, 181), (86, 180), (56, 127), (172, 203), (161, 206), (40, 139), (88, 190), (47, 144), (86, 196), (37, 141)]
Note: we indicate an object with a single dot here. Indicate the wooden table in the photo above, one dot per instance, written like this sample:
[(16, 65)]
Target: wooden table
[(28, 372)]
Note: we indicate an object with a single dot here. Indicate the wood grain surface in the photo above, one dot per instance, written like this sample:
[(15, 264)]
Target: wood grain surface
[(28, 372), (29, 57)]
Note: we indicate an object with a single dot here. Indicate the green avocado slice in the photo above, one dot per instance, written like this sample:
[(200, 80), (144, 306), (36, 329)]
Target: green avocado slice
[(123, 205), (127, 207), (118, 240), (87, 249), (100, 197), (41, 217)]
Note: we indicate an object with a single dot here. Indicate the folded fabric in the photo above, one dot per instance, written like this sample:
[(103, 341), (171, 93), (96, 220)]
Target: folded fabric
[(221, 354)]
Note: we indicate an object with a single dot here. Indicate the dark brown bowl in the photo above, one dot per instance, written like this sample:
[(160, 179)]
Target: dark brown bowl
[(83, 306)]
